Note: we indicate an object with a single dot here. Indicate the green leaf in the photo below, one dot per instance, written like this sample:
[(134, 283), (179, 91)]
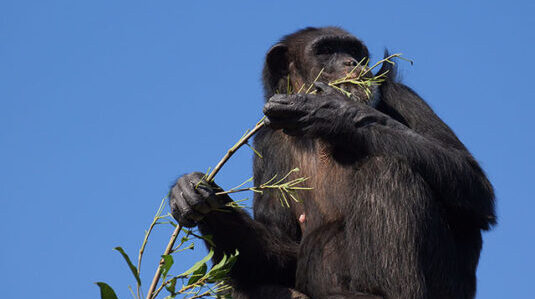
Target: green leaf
[(170, 297), (171, 286), (220, 264), (195, 276), (218, 276), (129, 262), (221, 270), (233, 258), (199, 264), (106, 292), (167, 263), (231, 261)]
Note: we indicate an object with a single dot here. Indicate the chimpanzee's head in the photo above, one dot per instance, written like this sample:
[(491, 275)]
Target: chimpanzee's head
[(322, 54)]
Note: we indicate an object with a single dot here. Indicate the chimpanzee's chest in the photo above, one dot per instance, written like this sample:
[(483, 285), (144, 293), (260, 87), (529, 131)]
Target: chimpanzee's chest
[(332, 184)]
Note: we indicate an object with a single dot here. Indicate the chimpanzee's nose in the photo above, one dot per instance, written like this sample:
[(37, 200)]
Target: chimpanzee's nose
[(350, 62)]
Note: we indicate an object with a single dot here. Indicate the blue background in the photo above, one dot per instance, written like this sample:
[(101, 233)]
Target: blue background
[(104, 103)]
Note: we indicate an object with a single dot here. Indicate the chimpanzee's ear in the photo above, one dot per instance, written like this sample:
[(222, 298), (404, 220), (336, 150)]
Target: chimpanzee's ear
[(277, 62)]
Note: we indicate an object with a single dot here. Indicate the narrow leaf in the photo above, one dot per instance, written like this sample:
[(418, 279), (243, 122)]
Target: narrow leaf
[(195, 276), (199, 264), (218, 275), (220, 264), (106, 292), (167, 263), (171, 285), (221, 270), (232, 259), (129, 262)]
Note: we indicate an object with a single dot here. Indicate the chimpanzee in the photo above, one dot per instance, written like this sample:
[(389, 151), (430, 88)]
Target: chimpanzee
[(398, 203)]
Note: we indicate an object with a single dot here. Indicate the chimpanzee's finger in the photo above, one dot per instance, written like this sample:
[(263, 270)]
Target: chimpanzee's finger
[(325, 88), (182, 212)]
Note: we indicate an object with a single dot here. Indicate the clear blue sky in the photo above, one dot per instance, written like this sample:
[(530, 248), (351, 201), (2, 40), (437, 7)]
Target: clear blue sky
[(104, 103)]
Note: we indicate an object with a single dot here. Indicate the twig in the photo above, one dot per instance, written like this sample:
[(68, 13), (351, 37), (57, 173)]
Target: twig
[(207, 293), (209, 179), (233, 149), (160, 288), (361, 80), (159, 270), (145, 239)]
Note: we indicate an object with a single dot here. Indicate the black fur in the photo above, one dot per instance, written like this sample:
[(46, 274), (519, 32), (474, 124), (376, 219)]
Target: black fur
[(398, 203)]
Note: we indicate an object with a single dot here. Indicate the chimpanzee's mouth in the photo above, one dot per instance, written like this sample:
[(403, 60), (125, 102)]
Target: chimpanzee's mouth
[(355, 92)]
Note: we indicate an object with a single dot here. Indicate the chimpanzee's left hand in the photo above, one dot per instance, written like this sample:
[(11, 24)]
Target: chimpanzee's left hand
[(307, 114)]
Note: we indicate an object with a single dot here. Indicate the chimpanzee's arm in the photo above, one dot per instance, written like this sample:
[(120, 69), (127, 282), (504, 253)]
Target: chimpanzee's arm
[(432, 149), (452, 173)]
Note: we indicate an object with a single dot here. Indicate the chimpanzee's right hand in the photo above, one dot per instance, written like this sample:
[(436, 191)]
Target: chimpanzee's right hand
[(191, 201)]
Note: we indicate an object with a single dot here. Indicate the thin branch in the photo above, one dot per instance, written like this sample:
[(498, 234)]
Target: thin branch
[(160, 288), (207, 293), (145, 239), (233, 149), (159, 270)]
